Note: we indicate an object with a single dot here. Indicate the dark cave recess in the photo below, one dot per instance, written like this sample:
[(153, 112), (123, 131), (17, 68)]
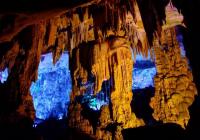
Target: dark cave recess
[(31, 6)]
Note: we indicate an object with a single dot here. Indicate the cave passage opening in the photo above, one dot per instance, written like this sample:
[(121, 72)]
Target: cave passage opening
[(144, 71)]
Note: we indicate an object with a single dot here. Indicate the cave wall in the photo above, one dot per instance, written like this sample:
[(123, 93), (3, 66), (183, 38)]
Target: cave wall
[(22, 61)]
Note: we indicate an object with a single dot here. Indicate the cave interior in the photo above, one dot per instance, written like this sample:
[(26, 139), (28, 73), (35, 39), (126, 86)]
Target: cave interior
[(99, 69)]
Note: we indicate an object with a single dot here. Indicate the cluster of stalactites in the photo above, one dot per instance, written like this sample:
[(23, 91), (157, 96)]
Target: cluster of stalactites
[(109, 60), (174, 87), (103, 58), (99, 21), (121, 18), (112, 12), (67, 31), (96, 22)]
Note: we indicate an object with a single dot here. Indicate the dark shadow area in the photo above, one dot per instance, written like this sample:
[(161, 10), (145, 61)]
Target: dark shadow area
[(156, 132), (58, 130), (37, 5), (193, 127), (140, 104), (22, 130), (91, 115), (47, 130), (52, 129), (160, 131)]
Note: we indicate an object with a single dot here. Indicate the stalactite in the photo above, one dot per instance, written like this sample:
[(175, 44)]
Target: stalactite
[(174, 87), (67, 32), (135, 31), (80, 29), (100, 65), (61, 43), (60, 38), (122, 19), (110, 15), (52, 32)]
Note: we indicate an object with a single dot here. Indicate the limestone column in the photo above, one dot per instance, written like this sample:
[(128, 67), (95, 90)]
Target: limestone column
[(174, 87)]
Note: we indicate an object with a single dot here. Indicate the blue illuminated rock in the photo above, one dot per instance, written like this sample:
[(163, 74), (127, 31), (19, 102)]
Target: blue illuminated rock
[(52, 89), (95, 102), (143, 78), (3, 75), (143, 73)]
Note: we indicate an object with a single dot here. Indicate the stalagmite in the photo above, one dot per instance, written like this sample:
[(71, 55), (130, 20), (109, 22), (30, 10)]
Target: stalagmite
[(121, 65), (174, 87)]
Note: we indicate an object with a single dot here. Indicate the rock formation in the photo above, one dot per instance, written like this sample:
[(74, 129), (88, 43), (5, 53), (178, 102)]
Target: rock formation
[(22, 60), (174, 87), (111, 60)]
